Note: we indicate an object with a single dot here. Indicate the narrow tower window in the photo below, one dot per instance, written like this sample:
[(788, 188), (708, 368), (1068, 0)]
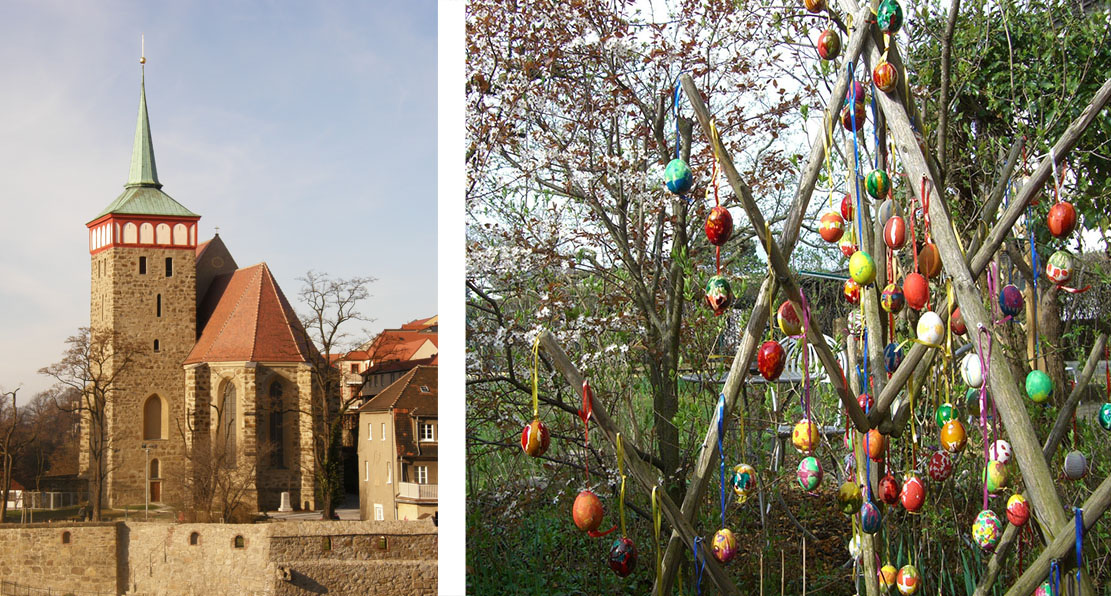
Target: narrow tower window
[(158, 306), (142, 265), (156, 345), (169, 266)]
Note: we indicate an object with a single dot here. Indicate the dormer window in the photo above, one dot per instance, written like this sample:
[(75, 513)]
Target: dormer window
[(427, 432), (424, 389)]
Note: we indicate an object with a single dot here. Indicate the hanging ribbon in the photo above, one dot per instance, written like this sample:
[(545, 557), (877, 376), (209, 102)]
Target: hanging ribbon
[(717, 202), (721, 453), (856, 155), (1055, 576), (585, 414), (699, 563), (984, 364), (805, 353), (621, 471), (656, 530), (535, 377), (1079, 542), (675, 114)]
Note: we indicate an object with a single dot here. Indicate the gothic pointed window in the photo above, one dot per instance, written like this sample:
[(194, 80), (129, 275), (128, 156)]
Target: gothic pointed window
[(277, 433), (152, 418), (227, 426)]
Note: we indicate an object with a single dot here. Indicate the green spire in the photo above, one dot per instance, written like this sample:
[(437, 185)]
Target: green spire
[(143, 171)]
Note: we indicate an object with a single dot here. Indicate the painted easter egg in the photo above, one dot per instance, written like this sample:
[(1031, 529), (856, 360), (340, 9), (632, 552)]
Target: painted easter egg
[(953, 437), (849, 498), (855, 549), (788, 318), (913, 494), (892, 357), (1038, 386), (1061, 219), (855, 93), (1018, 510), (862, 268), (889, 489), (892, 299), (995, 476), (719, 225), (1046, 589), (972, 401), (719, 294), (724, 545), (587, 511), (847, 207), (866, 402), (856, 323), (956, 322), (886, 210), (847, 245), (889, 16), (870, 518), (1076, 465), (829, 44), (885, 76), (535, 438), (907, 580), (770, 360), (847, 115), (831, 226), (1059, 267), (887, 575), (987, 529), (875, 444), (1010, 300), (805, 436), (851, 291), (1000, 451), (744, 481), (878, 184), (815, 6), (916, 290), (623, 556), (940, 466), (1105, 416), (929, 260), (678, 177), (847, 439), (971, 371), (945, 412), (930, 328), (895, 233), (809, 474)]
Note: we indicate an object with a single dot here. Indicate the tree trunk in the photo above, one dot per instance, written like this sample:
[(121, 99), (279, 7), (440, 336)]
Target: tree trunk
[(331, 471), (661, 374)]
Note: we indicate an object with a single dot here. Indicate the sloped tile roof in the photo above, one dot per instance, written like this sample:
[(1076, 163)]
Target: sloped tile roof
[(145, 200), (407, 400), (247, 318)]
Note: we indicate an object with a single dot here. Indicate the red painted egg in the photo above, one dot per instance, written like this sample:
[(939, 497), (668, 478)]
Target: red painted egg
[(861, 113), (1018, 510), (719, 225), (847, 207), (929, 260), (623, 556), (913, 494), (1061, 219), (852, 291), (847, 246), (876, 444), (895, 233), (770, 360), (788, 317), (957, 322), (940, 466), (831, 227), (587, 511), (885, 76), (866, 402), (889, 489), (535, 438), (916, 290), (855, 93), (829, 44)]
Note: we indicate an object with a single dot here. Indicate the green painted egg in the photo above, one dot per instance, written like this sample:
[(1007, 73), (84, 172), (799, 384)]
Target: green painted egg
[(889, 16), (1038, 386), (1105, 416), (862, 268), (878, 184), (945, 413)]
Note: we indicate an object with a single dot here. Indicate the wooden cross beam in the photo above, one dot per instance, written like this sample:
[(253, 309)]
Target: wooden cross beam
[(1063, 543), (638, 469), (995, 564), (776, 258), (1004, 388)]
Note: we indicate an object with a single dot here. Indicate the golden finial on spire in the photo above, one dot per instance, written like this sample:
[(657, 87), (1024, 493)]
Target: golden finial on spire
[(142, 49)]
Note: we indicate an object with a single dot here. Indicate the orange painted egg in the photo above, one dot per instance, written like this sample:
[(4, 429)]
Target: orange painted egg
[(916, 290), (907, 580), (587, 511), (831, 226), (953, 437), (852, 291), (895, 233), (885, 76), (929, 260), (815, 6), (876, 444), (535, 438), (1062, 219)]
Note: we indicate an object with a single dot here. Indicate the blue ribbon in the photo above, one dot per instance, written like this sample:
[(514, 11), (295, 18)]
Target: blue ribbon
[(1055, 577), (699, 564), (1036, 267), (675, 112), (1079, 542), (721, 452)]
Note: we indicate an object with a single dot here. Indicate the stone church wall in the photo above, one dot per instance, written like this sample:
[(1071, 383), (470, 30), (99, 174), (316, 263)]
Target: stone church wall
[(284, 558)]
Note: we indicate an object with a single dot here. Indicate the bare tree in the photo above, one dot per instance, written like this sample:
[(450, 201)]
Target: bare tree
[(333, 303), (93, 364), (15, 436), (220, 480)]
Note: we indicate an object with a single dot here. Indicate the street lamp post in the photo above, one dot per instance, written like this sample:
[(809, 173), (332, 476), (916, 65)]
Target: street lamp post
[(146, 482)]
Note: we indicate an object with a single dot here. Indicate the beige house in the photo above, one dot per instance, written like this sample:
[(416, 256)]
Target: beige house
[(398, 439)]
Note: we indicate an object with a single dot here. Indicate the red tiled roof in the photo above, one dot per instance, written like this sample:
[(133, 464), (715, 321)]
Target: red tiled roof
[(398, 344), (419, 323), (357, 355), (396, 365), (407, 399), (247, 318)]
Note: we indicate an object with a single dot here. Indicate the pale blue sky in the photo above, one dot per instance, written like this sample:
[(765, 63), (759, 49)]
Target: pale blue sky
[(305, 131)]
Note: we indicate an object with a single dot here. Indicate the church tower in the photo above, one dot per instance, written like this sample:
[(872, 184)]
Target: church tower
[(143, 274)]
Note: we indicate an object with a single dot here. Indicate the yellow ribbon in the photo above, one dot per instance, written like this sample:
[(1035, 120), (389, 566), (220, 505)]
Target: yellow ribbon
[(535, 376), (771, 276), (621, 471), (656, 528)]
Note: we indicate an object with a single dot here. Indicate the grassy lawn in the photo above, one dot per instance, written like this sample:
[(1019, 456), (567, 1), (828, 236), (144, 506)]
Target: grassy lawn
[(134, 512)]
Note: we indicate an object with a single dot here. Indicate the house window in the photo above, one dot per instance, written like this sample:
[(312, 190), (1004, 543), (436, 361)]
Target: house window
[(158, 306), (424, 389), (277, 436), (422, 474), (383, 431), (370, 431), (427, 432), (355, 367), (366, 471), (389, 473), (169, 266), (142, 265), (379, 513), (152, 418)]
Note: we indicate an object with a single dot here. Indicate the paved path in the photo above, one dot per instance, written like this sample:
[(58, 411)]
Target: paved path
[(347, 510)]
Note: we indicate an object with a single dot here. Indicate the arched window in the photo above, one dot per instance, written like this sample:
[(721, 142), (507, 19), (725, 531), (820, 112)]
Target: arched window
[(65, 537), (194, 539), (154, 468), (180, 234), (152, 418), (227, 423), (277, 434), (146, 233), (162, 233), (130, 233)]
